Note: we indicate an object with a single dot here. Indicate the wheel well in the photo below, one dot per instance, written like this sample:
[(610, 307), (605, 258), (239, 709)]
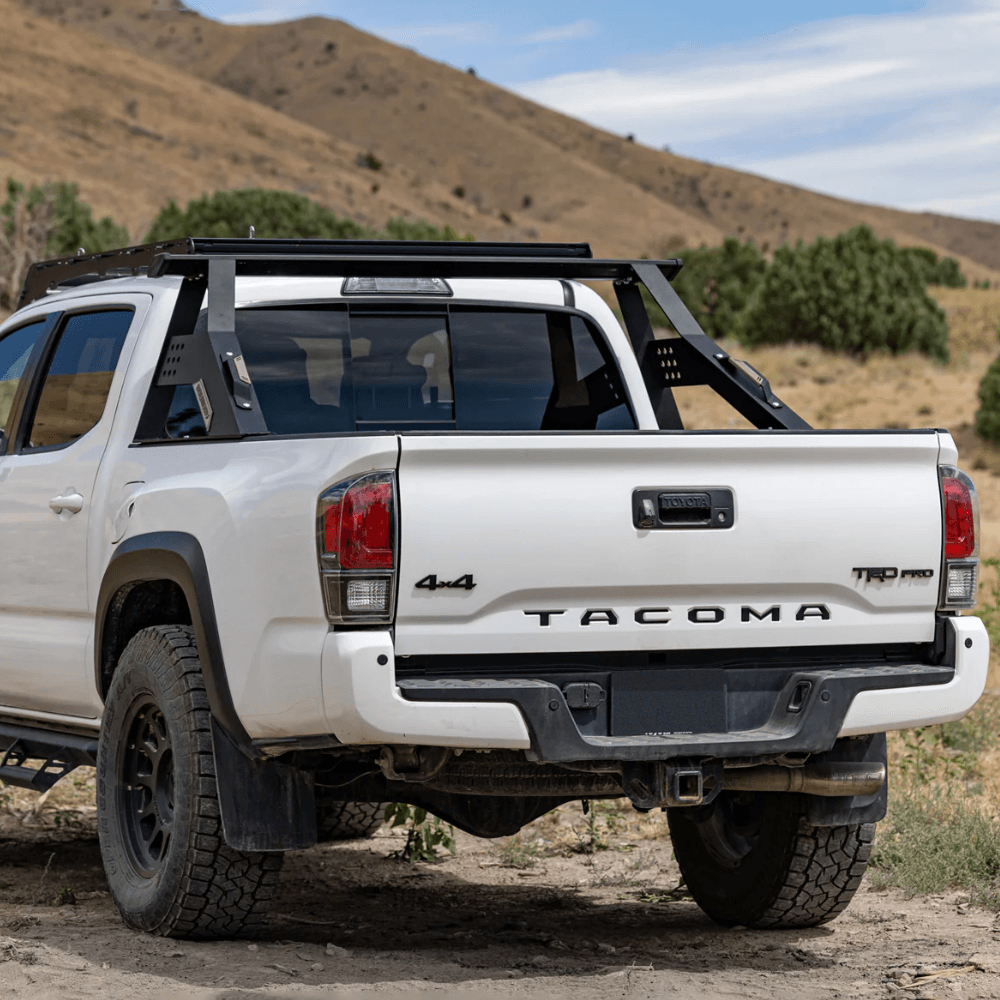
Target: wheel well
[(133, 607)]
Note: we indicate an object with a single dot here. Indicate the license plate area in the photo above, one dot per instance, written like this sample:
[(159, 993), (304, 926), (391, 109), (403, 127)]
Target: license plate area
[(658, 703)]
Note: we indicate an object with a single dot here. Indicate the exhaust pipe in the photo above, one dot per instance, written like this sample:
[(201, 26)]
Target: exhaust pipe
[(831, 780)]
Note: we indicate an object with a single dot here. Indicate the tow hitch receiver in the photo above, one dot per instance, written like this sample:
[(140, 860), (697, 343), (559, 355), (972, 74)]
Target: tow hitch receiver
[(676, 783), (671, 783)]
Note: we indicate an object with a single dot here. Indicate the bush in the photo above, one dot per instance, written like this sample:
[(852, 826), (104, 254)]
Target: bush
[(988, 414), (276, 215), (75, 226), (716, 284), (933, 271), (273, 214), (401, 229), (47, 221), (854, 293), (70, 221)]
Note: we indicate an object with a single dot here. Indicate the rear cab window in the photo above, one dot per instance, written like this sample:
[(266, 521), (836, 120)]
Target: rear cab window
[(336, 369)]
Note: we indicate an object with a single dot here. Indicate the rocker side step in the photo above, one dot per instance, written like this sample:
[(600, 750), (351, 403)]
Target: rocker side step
[(38, 758)]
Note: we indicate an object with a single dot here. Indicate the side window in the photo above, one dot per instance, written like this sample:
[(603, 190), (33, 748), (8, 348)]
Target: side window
[(528, 371), (78, 377), (15, 349)]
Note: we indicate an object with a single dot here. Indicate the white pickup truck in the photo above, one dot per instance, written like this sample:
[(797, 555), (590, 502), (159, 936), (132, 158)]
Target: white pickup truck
[(292, 525)]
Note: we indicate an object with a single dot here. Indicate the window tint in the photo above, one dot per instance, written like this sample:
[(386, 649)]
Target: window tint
[(14, 351), (78, 377), (402, 372), (327, 370), (299, 362), (533, 371)]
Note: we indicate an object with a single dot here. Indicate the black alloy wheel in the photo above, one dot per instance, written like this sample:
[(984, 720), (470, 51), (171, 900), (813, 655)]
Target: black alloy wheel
[(146, 788)]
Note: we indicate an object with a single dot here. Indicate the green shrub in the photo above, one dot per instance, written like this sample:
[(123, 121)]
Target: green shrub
[(854, 293), (402, 229), (934, 271), (276, 215), (425, 833), (273, 214), (716, 284), (71, 221), (988, 414)]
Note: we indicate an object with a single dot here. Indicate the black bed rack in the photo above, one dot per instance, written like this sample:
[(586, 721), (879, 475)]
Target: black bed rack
[(212, 266)]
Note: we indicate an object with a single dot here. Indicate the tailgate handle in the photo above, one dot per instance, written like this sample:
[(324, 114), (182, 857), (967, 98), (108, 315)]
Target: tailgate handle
[(682, 509), (685, 508)]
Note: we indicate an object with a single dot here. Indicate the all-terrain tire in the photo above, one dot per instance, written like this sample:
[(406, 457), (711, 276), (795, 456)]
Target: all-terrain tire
[(751, 858), (348, 820), (169, 868)]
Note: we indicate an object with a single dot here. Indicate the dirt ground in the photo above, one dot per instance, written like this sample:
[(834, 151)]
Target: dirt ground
[(353, 920)]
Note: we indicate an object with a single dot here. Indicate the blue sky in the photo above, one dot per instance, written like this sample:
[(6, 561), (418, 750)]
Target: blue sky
[(895, 102)]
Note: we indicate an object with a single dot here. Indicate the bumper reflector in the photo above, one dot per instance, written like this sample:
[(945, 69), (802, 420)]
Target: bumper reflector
[(368, 595), (961, 585)]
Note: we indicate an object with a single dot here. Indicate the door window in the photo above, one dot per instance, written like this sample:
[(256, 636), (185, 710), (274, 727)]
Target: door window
[(15, 349), (78, 377)]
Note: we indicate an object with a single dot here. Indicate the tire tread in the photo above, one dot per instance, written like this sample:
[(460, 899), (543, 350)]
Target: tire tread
[(218, 892)]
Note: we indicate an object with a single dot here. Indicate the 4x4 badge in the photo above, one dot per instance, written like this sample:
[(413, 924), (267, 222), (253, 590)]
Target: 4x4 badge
[(431, 583)]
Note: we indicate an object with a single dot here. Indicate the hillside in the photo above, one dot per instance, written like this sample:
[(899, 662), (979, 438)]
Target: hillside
[(134, 133), (552, 176)]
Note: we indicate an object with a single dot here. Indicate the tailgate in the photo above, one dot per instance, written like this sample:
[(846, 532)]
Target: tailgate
[(544, 526)]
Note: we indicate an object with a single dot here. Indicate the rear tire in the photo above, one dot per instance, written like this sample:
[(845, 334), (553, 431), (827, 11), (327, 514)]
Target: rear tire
[(348, 820), (169, 868), (751, 858)]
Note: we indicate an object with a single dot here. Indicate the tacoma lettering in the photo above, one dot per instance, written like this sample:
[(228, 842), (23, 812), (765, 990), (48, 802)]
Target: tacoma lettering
[(697, 616)]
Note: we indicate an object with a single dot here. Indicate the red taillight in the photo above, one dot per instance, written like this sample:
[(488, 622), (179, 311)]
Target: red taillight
[(358, 528), (959, 520)]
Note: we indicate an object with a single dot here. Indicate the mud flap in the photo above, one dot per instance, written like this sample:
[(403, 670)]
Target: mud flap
[(265, 805), (849, 810)]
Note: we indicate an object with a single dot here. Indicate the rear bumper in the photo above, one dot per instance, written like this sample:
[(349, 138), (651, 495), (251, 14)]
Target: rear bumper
[(365, 704), (874, 711)]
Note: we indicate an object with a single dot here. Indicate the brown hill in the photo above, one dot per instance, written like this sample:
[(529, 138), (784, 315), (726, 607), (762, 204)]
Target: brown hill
[(469, 153), (554, 177), (134, 133)]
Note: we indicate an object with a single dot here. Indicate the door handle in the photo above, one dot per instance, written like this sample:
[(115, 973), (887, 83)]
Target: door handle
[(71, 502)]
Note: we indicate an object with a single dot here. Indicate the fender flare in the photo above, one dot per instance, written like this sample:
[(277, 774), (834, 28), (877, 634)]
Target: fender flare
[(176, 556)]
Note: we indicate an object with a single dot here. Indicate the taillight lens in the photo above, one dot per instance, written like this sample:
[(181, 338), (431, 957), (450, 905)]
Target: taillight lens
[(960, 562), (356, 537), (959, 520), (357, 527)]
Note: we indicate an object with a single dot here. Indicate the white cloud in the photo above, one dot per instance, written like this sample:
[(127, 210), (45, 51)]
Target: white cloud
[(901, 109), (565, 33), (462, 33), (264, 15)]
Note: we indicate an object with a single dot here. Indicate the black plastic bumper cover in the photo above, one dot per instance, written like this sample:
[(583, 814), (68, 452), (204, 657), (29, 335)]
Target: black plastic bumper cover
[(812, 728)]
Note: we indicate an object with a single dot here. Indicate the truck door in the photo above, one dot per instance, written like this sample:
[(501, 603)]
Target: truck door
[(53, 447)]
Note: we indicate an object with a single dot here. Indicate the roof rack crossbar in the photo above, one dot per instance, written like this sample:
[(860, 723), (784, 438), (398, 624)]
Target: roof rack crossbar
[(49, 274)]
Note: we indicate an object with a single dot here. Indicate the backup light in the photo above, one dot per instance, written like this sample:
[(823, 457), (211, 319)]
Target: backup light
[(368, 595), (961, 584), (395, 286)]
